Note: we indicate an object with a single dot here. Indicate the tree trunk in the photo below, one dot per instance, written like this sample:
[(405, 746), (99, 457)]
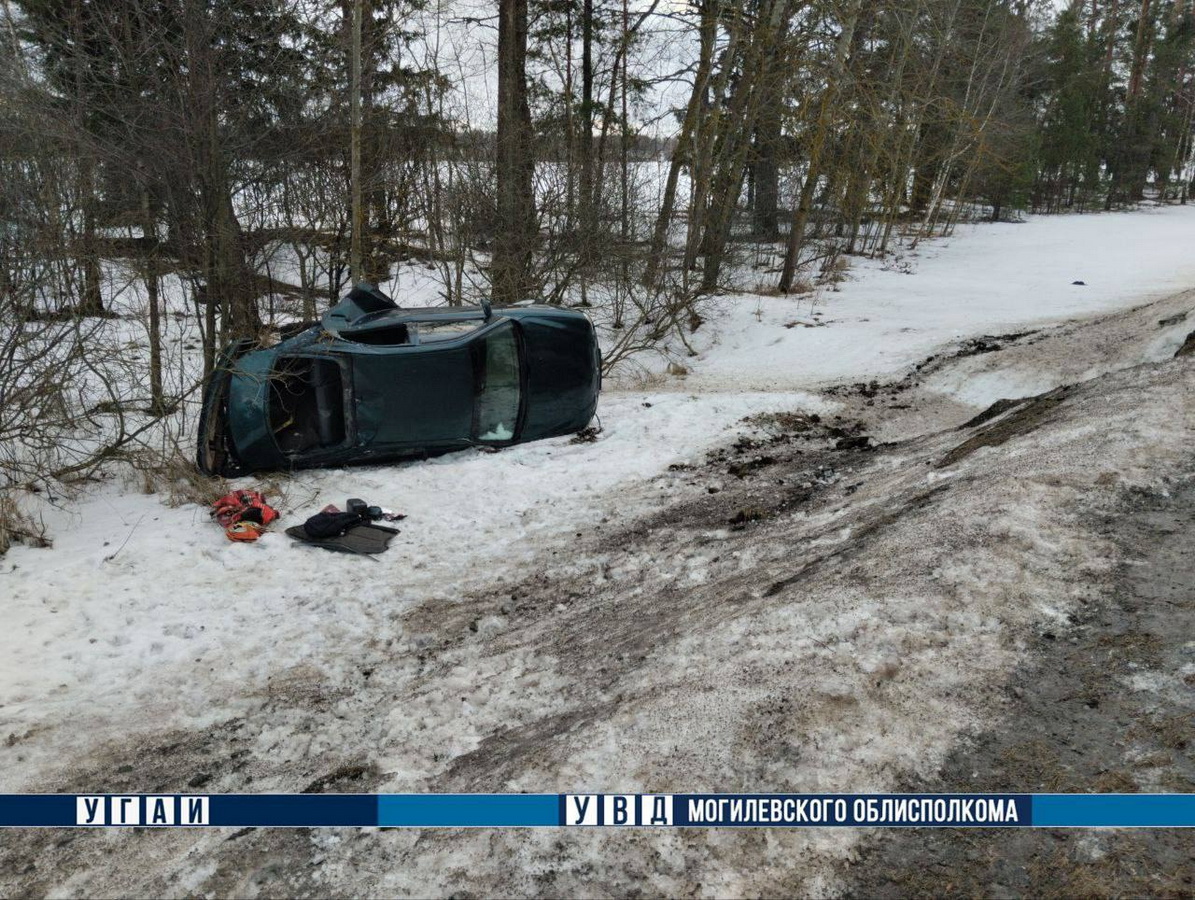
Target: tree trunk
[(149, 230), (357, 234), (1140, 47), (796, 235), (91, 301), (586, 143), (570, 130), (707, 138), (624, 155), (682, 152), (588, 219), (378, 227), (227, 274), (760, 68), (516, 227), (765, 211), (857, 190)]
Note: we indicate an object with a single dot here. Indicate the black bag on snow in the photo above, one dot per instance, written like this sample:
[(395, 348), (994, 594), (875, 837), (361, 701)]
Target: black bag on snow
[(326, 524)]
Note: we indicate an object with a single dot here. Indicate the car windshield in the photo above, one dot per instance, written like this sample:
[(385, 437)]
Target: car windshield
[(497, 386)]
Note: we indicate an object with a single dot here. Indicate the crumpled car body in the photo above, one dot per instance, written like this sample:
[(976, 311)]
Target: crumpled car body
[(374, 383)]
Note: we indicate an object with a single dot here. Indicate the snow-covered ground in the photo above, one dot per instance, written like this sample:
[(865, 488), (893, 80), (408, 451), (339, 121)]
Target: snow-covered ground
[(139, 604), (140, 607), (985, 279), (143, 618)]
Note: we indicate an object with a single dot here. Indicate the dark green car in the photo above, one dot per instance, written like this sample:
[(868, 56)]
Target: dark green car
[(373, 382)]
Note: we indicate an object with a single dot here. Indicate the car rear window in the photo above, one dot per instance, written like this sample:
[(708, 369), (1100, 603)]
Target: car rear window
[(497, 410)]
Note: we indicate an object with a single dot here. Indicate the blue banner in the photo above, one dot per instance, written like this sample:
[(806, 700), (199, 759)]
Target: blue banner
[(1114, 810), (468, 810), (600, 810)]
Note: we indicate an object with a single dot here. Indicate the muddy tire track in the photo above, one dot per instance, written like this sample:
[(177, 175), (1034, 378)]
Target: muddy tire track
[(1106, 704)]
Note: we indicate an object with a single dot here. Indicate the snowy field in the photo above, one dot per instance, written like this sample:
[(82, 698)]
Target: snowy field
[(143, 618)]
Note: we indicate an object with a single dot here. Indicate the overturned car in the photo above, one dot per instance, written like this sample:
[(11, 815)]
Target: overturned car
[(372, 382)]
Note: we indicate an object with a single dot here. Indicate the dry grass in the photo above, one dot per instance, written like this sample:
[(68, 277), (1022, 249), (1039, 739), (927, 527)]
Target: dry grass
[(1127, 861), (174, 478), (177, 480), (765, 289), (1035, 765), (769, 289), (1174, 732), (1115, 782), (17, 527), (834, 271)]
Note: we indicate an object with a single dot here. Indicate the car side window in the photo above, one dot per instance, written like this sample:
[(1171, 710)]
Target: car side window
[(497, 410), (306, 404)]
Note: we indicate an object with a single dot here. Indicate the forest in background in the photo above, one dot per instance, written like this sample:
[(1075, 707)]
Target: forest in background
[(637, 158)]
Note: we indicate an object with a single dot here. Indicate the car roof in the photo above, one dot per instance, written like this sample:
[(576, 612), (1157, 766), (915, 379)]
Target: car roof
[(366, 309)]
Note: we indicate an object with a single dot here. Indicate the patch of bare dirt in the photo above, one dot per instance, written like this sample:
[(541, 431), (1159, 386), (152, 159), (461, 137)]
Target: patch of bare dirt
[(1106, 706), (1004, 420)]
